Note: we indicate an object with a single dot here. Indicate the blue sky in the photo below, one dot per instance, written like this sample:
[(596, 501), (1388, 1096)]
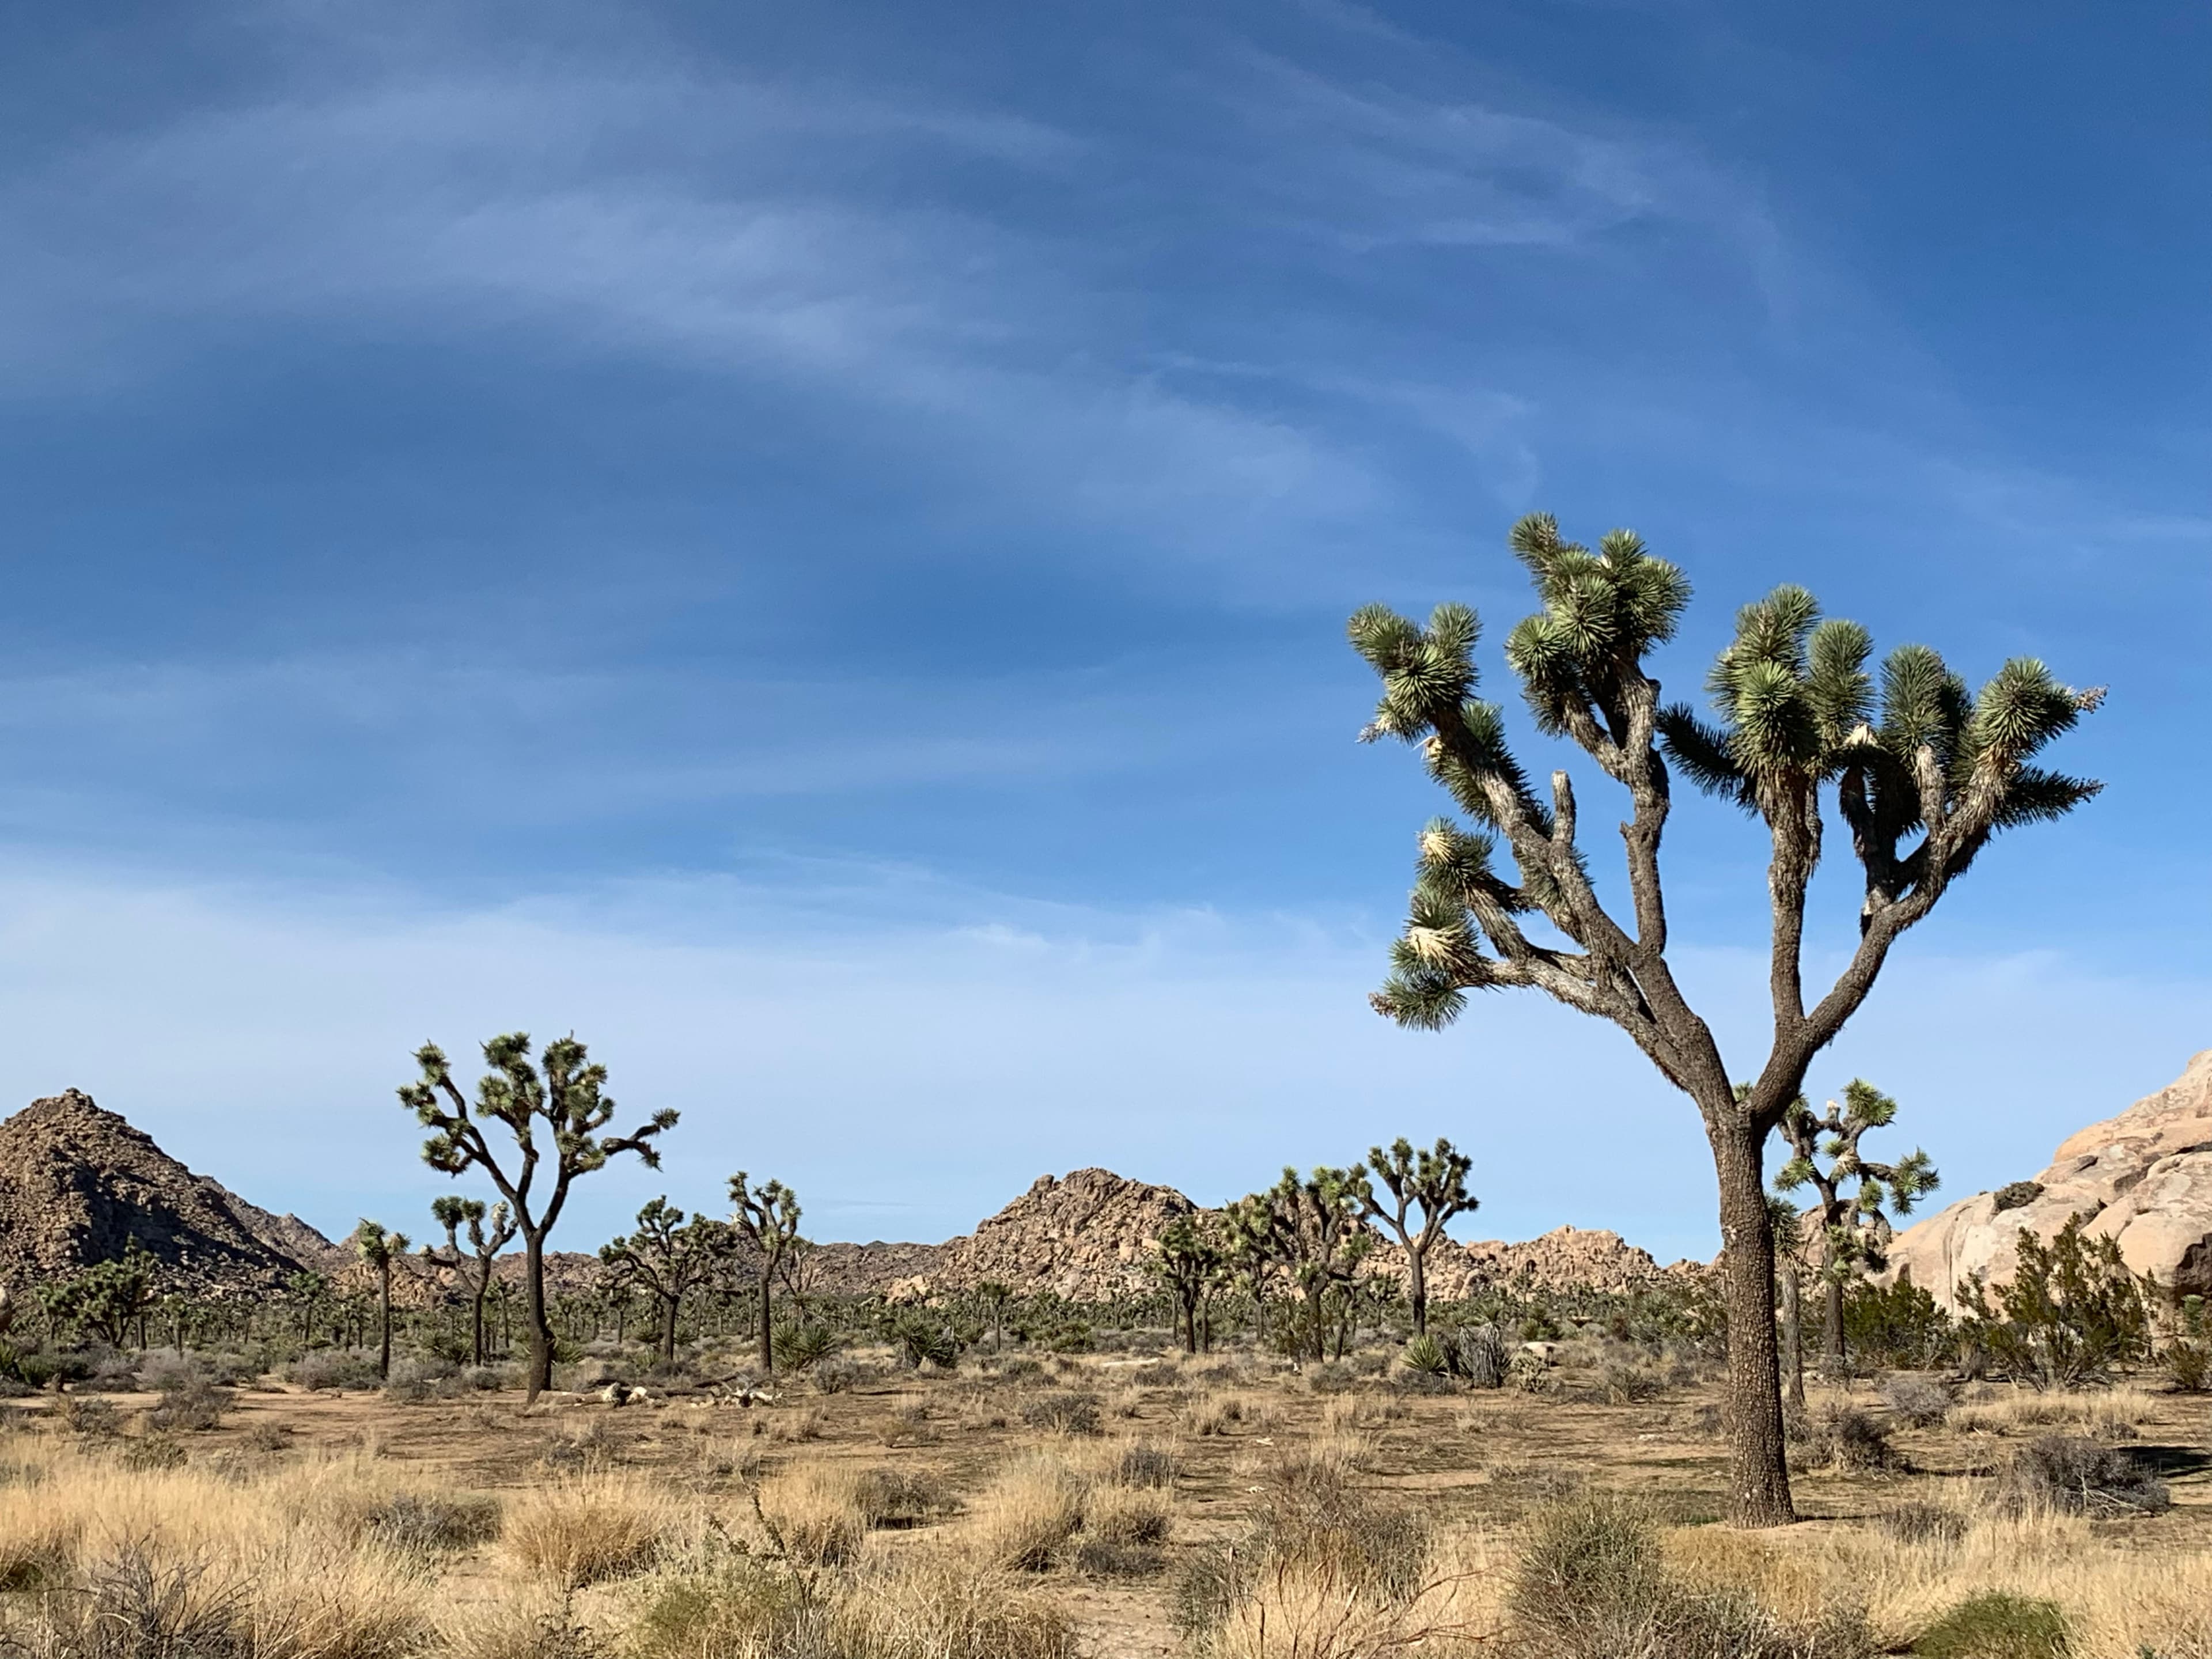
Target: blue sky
[(810, 546)]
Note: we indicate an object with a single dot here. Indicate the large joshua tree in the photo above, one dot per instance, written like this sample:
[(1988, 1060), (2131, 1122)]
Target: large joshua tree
[(1850, 1193), (553, 1111), (672, 1258), (1922, 771), (1433, 1181), (451, 1211), (768, 1217)]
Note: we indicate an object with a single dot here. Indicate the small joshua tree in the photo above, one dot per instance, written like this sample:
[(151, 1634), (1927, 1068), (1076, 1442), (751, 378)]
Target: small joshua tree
[(1923, 772), (1309, 1228), (556, 1113), (670, 1258), (452, 1212), (768, 1220), (381, 1251), (1855, 1232), (1434, 1180), (1189, 1256), (994, 1294), (109, 1299)]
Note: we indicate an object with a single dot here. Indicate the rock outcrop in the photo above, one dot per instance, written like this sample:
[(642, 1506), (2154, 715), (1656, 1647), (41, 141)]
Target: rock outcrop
[(2145, 1177), (1088, 1235), (77, 1182)]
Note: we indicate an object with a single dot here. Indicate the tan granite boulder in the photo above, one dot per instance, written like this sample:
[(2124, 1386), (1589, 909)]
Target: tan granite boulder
[(2144, 1177)]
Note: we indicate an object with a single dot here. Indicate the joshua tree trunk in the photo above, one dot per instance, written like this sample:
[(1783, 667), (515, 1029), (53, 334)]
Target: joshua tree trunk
[(767, 1327), (476, 1314), (1417, 1291), (1760, 1472), (1832, 1315), (541, 1328), (669, 1306), (384, 1322), (1793, 1335)]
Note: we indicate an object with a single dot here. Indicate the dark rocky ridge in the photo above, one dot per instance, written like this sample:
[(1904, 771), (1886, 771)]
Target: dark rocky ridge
[(77, 1182)]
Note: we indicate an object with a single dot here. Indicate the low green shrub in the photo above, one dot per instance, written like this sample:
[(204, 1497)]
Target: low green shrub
[(1996, 1625)]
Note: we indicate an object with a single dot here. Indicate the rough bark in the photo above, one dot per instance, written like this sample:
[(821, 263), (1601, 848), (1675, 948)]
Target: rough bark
[(384, 1316), (541, 1328), (767, 1325), (1759, 1476), (1417, 1290), (1832, 1315)]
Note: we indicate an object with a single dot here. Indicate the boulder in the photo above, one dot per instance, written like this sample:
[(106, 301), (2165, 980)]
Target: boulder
[(2144, 1177)]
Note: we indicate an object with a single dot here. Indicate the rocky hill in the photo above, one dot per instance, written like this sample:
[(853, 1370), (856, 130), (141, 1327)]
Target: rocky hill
[(77, 1182), (1087, 1236), (2145, 1177)]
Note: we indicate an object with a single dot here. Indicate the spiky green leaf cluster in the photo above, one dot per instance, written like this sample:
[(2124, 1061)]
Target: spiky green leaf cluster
[(1603, 611), (1797, 708)]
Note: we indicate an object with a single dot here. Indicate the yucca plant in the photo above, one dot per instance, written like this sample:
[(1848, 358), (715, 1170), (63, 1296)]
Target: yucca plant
[(1922, 772), (1425, 1355)]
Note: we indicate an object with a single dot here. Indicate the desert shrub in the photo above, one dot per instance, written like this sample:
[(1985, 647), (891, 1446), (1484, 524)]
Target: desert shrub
[(1104, 1559), (2018, 1194), (1331, 1377), (741, 1608), (1034, 1507), (1128, 1515), (840, 1374), (911, 1425), (806, 1423), (267, 1437), (583, 1532), (1063, 1413), (1308, 1521), (1919, 1402), (327, 1369), (935, 1607), (1214, 1414), (2071, 1311), (2187, 1365), (429, 1522), (87, 1415), (191, 1402), (1922, 1523), (1897, 1325), (1144, 1464), (2076, 1476), (797, 1347), (1425, 1355), (150, 1452), (1843, 1437), (1996, 1625), (1592, 1583), (901, 1497), (814, 1512)]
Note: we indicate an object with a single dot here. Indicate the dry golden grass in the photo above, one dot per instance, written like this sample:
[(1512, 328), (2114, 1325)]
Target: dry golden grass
[(1311, 1608), (582, 1531), (815, 1507), (1034, 1506), (2120, 1600), (284, 1566), (2105, 1413)]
